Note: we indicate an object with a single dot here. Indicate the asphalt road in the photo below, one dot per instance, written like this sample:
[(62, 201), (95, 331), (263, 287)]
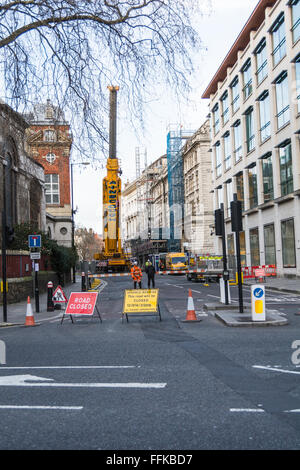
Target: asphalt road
[(151, 385)]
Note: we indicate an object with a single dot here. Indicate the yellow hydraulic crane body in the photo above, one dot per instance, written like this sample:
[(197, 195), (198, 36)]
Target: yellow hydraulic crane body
[(113, 256)]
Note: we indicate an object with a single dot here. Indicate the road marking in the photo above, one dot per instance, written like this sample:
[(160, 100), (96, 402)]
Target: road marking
[(284, 371), (22, 381), (215, 296), (292, 411), (68, 367), (39, 407), (247, 410)]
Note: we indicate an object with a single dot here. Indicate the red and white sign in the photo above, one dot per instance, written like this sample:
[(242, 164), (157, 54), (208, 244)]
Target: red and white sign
[(59, 295), (81, 303), (260, 272)]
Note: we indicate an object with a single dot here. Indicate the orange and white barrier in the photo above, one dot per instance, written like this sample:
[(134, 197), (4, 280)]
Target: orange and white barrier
[(202, 271)]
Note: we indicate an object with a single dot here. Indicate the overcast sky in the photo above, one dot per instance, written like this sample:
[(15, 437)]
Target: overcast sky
[(218, 32)]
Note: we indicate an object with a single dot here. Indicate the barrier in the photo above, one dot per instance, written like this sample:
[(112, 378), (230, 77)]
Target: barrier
[(250, 271), (158, 272)]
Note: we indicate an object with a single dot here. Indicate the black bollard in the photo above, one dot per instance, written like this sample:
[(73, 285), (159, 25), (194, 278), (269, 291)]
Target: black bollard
[(83, 288), (50, 303)]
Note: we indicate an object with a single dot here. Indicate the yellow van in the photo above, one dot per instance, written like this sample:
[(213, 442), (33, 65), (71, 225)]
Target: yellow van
[(176, 262)]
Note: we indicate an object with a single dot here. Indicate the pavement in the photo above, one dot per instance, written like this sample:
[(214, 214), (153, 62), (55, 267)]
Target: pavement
[(16, 312), (281, 284)]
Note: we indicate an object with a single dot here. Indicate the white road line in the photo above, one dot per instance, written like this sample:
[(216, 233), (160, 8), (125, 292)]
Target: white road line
[(215, 296), (284, 371), (68, 367), (39, 407), (292, 411), (247, 410)]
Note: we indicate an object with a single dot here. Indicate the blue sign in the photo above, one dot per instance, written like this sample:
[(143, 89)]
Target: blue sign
[(34, 241), (258, 292)]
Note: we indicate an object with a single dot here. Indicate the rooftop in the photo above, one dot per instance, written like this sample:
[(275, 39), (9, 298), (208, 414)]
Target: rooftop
[(256, 19)]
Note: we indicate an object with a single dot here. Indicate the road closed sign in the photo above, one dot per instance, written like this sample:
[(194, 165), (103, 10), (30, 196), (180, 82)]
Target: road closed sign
[(81, 303)]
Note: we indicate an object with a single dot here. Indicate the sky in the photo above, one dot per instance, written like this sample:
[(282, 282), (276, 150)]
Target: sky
[(218, 32)]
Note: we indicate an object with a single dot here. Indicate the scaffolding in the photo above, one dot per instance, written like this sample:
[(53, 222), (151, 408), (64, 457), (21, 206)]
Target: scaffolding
[(175, 138)]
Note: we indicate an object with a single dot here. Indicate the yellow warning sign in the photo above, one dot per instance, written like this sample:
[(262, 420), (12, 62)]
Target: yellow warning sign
[(140, 301)]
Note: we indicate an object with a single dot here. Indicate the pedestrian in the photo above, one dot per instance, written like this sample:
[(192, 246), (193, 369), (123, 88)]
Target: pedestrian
[(151, 275), (136, 274)]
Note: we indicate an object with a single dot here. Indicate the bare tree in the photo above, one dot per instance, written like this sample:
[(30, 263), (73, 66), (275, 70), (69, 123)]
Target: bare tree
[(88, 243), (69, 51)]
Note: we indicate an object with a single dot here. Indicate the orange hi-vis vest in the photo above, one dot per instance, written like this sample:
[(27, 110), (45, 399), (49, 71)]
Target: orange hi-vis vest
[(136, 273)]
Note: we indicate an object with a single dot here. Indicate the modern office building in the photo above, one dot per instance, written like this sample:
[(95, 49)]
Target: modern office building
[(255, 131)]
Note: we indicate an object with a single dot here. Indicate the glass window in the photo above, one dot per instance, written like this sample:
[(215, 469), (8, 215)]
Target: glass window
[(267, 169), (286, 169), (264, 115), (250, 129), (270, 248), (288, 243), (240, 188), (235, 94), (50, 157), (52, 189), (247, 78), (49, 135), (252, 178), (261, 61), (279, 41), (254, 247), (227, 150), (225, 107), (229, 196), (238, 143), (297, 66), (296, 19), (220, 196), (218, 159), (216, 119), (282, 100)]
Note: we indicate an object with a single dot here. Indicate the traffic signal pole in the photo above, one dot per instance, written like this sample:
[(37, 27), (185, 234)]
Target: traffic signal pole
[(4, 277)]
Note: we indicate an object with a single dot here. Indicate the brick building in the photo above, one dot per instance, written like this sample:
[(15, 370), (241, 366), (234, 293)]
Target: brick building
[(49, 142)]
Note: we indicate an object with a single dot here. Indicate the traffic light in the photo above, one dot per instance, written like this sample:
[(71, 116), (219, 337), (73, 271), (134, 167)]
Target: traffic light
[(236, 216), (9, 236), (218, 222)]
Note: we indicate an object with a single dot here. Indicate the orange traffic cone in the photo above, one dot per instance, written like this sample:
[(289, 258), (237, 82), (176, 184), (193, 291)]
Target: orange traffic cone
[(29, 321), (191, 314)]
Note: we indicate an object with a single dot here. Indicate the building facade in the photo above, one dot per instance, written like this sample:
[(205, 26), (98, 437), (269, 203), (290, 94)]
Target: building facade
[(255, 129), (22, 178), (198, 207), (49, 142)]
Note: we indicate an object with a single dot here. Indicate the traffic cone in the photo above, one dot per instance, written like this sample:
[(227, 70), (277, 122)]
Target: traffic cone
[(191, 314), (29, 321)]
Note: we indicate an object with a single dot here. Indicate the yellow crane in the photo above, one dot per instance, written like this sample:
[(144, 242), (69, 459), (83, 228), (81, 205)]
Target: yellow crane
[(113, 257)]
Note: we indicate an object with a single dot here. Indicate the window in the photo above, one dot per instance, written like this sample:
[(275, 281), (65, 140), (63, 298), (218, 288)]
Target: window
[(288, 243), (216, 118), (218, 159), (282, 100), (227, 150), (261, 61), (252, 178), (52, 189), (286, 169), (267, 170), (279, 41), (240, 188), (250, 129), (238, 144), (50, 157), (220, 196), (297, 66), (225, 107), (49, 135), (296, 19), (247, 78), (264, 114), (229, 196), (235, 94), (270, 248), (254, 247)]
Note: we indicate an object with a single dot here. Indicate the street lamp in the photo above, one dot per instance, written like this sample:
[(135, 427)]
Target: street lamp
[(73, 212)]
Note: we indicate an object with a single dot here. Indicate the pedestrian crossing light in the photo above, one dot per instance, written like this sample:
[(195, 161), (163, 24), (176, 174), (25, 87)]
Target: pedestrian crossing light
[(9, 236)]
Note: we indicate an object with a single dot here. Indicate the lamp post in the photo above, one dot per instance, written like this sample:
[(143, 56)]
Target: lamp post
[(74, 212)]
